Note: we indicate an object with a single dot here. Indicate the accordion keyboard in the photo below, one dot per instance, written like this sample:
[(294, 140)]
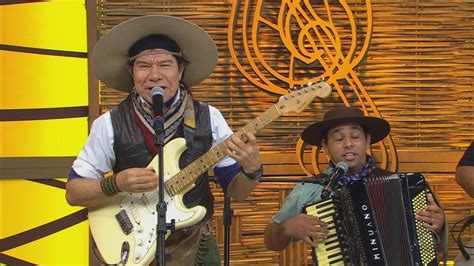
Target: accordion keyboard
[(330, 250)]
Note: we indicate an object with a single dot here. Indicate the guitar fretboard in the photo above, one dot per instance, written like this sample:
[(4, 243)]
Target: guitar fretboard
[(189, 174)]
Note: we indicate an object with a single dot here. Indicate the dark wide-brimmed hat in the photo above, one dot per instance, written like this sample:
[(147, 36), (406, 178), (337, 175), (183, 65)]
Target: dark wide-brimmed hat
[(376, 127), (109, 59)]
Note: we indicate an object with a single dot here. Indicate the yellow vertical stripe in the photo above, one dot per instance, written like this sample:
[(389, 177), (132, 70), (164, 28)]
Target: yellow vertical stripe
[(42, 81)]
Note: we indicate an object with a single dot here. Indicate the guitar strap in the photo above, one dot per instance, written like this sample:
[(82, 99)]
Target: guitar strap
[(189, 127)]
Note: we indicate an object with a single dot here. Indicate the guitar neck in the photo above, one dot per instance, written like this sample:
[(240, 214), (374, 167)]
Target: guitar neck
[(292, 102), (189, 174)]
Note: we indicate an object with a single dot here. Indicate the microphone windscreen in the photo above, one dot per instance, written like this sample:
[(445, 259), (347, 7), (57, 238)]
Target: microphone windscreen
[(157, 90), (343, 165)]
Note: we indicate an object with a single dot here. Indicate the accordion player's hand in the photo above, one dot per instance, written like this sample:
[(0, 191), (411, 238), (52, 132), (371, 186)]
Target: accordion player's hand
[(306, 228), (432, 216)]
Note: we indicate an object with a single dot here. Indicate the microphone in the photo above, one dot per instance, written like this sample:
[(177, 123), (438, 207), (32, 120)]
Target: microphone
[(157, 94), (341, 169)]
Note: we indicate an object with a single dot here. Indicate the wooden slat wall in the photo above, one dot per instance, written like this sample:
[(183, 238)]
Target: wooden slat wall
[(418, 71)]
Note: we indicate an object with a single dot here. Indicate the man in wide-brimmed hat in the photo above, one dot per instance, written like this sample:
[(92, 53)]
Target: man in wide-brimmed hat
[(172, 54), (345, 134)]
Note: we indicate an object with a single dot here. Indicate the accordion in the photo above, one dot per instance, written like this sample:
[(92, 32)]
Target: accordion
[(372, 222)]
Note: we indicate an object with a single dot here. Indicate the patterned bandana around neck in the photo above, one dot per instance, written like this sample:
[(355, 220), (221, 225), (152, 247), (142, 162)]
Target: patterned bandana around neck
[(173, 115), (364, 172)]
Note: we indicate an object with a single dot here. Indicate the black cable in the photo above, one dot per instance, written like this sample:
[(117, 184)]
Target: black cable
[(466, 222)]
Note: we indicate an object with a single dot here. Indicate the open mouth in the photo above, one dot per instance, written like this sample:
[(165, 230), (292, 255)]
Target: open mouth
[(349, 156)]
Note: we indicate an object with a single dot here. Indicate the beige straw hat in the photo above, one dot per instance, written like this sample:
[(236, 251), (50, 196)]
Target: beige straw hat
[(109, 59)]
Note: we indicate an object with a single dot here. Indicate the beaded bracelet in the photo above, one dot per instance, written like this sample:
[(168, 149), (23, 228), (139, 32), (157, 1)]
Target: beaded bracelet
[(108, 185)]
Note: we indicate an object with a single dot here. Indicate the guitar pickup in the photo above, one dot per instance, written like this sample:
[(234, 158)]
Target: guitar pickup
[(124, 222)]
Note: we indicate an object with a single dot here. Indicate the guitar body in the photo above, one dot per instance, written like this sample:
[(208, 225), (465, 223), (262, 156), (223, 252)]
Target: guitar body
[(124, 227)]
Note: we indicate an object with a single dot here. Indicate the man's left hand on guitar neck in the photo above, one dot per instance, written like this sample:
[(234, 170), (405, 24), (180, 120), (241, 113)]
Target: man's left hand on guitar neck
[(245, 153)]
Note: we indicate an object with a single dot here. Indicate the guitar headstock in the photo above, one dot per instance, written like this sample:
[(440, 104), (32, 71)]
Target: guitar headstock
[(298, 100)]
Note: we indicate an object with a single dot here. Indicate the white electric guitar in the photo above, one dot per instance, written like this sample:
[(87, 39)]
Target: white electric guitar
[(124, 227)]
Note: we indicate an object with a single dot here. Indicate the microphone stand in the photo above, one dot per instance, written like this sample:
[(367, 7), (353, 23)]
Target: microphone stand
[(228, 213), (162, 226)]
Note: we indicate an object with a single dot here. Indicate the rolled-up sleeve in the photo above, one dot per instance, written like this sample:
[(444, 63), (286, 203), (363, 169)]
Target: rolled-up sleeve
[(97, 156)]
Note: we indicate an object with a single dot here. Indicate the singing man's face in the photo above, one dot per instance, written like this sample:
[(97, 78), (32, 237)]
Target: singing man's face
[(157, 69), (347, 142)]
